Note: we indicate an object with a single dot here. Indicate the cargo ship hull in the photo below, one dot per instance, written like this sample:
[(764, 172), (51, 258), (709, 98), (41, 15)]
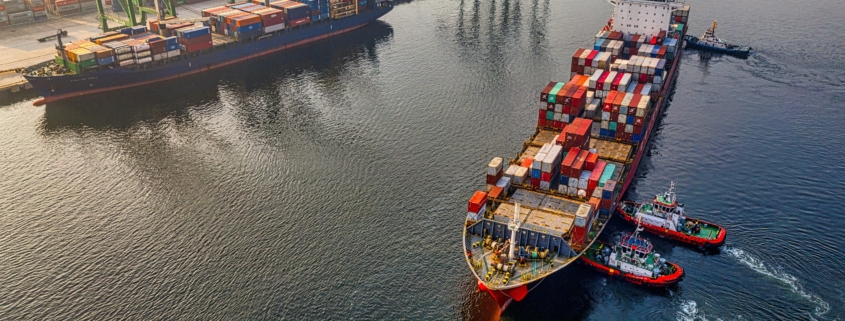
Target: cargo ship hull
[(500, 227), (505, 296), (68, 86)]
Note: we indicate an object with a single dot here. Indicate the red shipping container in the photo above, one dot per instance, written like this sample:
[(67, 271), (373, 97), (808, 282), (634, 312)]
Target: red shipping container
[(578, 101), (558, 124), (477, 201), (545, 177), (197, 40), (3, 8), (638, 121), (596, 175), (38, 8), (578, 165), (493, 179), (535, 182), (592, 158), (608, 101), (602, 79), (566, 164), (638, 129), (590, 57), (299, 22), (61, 3), (495, 192), (542, 121), (605, 204), (544, 94), (577, 55), (615, 84), (198, 46), (527, 162), (643, 78)]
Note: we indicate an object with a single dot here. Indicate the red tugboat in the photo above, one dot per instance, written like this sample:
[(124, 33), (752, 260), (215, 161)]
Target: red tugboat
[(633, 260), (665, 217)]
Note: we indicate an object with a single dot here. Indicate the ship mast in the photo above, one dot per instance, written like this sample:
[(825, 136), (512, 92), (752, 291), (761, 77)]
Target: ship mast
[(514, 225)]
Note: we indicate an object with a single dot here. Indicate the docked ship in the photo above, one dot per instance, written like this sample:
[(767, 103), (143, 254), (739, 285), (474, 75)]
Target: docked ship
[(540, 211), (128, 58)]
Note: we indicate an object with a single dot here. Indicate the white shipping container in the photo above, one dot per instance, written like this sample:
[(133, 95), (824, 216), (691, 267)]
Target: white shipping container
[(629, 128), (140, 47), (596, 129), (623, 110), (585, 177), (142, 54), (605, 123), (537, 164), (573, 182), (174, 53), (622, 118), (125, 63), (126, 56), (558, 108), (605, 116), (595, 78), (504, 183), (572, 191), (143, 60), (273, 28), (159, 57), (545, 185), (626, 100), (495, 166), (520, 176), (87, 56), (563, 189), (511, 171)]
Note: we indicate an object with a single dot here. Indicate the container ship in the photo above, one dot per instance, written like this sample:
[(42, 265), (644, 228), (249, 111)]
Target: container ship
[(540, 211), (139, 55)]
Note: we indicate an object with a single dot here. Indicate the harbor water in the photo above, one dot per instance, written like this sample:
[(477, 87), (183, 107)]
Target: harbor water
[(330, 181)]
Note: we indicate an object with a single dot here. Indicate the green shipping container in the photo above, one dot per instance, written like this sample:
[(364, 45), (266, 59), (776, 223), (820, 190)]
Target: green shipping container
[(553, 93), (550, 115), (59, 61), (606, 174), (73, 67), (612, 125), (88, 63), (680, 27)]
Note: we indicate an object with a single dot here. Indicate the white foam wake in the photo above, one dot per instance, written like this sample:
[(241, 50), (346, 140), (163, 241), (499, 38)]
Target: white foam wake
[(821, 307), (689, 312)]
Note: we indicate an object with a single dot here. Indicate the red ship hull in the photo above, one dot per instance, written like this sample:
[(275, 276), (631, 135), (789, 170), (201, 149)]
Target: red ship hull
[(659, 282), (675, 235)]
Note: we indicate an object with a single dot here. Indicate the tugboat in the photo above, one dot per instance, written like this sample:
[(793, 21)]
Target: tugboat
[(665, 217), (710, 42), (633, 260)]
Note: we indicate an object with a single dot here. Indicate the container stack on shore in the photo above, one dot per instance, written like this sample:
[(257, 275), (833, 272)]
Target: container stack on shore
[(17, 12), (38, 8), (63, 7), (4, 18)]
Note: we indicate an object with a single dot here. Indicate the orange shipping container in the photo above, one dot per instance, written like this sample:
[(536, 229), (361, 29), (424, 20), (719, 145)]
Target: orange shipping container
[(247, 20)]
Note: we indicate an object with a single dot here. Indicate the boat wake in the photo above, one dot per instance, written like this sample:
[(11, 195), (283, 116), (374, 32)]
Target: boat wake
[(821, 307), (689, 311)]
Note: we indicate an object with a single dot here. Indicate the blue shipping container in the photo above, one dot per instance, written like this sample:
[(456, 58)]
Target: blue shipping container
[(603, 132), (126, 31), (636, 138), (248, 28), (172, 47), (630, 120), (171, 40), (105, 61), (138, 29), (195, 32), (251, 33)]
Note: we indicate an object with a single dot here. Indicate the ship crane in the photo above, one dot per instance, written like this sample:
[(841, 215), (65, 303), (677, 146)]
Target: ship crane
[(515, 224)]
